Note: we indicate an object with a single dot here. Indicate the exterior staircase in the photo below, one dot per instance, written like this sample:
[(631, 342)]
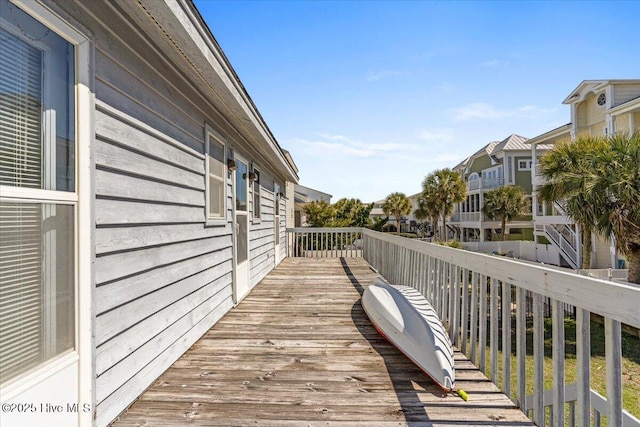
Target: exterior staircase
[(565, 238)]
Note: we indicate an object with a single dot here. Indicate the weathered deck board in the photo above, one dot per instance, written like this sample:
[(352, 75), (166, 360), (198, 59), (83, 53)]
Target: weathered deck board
[(299, 350)]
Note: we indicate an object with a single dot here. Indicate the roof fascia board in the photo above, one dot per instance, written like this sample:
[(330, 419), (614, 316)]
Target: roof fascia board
[(551, 135), (217, 75), (629, 106)]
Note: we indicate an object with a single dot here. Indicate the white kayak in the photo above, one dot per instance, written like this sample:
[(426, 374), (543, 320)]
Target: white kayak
[(404, 317)]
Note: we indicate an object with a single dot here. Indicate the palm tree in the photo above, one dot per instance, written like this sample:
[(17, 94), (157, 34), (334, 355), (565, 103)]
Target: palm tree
[(505, 203), (569, 171), (427, 209), (445, 188), (616, 180), (396, 204)]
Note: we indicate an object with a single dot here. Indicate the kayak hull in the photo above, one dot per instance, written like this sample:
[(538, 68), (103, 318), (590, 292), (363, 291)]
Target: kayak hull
[(406, 319)]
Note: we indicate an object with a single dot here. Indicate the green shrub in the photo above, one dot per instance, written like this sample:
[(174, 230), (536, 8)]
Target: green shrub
[(452, 244)]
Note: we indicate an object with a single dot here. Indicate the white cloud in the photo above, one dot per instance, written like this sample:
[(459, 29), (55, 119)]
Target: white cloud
[(448, 159), (482, 111), (437, 135), (333, 148), (374, 76), (495, 63), (329, 144)]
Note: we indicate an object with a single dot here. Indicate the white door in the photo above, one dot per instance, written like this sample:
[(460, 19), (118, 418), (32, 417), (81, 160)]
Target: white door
[(241, 223), (45, 254)]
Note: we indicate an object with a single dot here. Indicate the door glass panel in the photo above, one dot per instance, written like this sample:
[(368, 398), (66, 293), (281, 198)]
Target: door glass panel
[(37, 296), (242, 238), (241, 186)]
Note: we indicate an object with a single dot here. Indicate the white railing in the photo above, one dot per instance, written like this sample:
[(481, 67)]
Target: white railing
[(485, 183), (309, 242), (477, 296), (492, 182), (470, 216), (473, 185), (480, 297), (538, 169)]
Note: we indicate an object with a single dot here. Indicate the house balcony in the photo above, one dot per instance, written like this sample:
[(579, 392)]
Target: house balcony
[(300, 350), (485, 184)]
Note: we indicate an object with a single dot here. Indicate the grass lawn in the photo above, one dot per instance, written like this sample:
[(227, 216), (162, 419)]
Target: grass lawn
[(630, 363)]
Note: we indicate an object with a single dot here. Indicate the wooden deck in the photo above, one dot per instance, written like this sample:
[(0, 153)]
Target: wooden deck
[(299, 351)]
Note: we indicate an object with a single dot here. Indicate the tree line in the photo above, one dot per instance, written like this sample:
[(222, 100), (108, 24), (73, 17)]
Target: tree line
[(597, 180)]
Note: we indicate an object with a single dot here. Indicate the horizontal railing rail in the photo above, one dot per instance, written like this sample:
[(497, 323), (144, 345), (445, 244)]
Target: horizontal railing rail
[(311, 242)]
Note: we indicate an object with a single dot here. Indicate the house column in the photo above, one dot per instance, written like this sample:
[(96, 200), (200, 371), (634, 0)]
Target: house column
[(611, 125)]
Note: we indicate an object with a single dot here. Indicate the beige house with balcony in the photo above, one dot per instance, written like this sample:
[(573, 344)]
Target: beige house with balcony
[(497, 164), (597, 107)]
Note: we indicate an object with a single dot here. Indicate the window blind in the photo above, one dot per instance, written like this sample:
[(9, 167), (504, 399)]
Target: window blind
[(21, 234), (21, 290), (21, 67)]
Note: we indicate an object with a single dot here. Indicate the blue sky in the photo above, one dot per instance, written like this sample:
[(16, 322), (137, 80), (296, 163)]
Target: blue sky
[(369, 97)]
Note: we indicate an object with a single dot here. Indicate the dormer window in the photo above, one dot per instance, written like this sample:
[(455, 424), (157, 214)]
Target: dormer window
[(602, 99)]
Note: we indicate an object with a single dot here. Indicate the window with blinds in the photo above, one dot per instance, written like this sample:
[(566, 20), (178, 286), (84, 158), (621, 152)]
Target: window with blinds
[(37, 152), (20, 112), (216, 183)]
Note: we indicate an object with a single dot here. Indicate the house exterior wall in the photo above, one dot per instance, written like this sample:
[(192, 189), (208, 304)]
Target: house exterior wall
[(523, 177), (602, 253), (479, 164), (163, 276), (591, 117), (624, 92)]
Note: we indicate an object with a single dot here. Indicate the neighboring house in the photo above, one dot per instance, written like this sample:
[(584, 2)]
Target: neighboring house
[(411, 223), (597, 107), (304, 195), (408, 223), (141, 198), (497, 164)]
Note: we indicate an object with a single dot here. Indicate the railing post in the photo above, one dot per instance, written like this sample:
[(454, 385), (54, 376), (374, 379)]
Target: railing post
[(465, 310), (613, 355), (494, 323), (583, 365), (558, 362), (538, 361), (456, 307), (451, 298), (482, 318), (473, 306), (521, 346), (506, 339)]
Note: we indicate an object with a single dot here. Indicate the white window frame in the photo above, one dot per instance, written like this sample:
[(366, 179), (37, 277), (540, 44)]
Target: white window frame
[(528, 164), (210, 133), (255, 188), (276, 213), (82, 199)]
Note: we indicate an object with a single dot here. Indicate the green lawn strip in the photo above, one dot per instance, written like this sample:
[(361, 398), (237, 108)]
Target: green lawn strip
[(630, 363)]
